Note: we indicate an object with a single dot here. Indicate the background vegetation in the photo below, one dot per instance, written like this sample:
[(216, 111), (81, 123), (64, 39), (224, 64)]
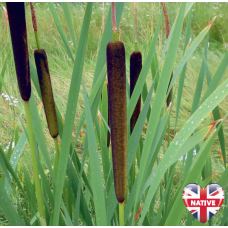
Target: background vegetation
[(60, 65)]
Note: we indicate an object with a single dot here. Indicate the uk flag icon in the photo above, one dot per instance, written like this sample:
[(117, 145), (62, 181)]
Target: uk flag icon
[(203, 204)]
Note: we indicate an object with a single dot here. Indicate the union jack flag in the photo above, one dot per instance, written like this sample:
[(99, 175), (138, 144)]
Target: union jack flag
[(203, 204)]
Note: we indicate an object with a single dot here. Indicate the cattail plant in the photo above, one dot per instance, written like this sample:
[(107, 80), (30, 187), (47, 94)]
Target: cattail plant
[(17, 22), (135, 69), (118, 114), (46, 90)]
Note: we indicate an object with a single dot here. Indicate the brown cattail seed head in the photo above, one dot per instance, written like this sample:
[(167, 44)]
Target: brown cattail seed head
[(16, 14), (118, 115), (46, 91), (135, 69)]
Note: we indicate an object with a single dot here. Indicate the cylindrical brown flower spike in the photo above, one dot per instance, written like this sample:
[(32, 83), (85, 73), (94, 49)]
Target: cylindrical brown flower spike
[(16, 14), (46, 91), (118, 115), (135, 69)]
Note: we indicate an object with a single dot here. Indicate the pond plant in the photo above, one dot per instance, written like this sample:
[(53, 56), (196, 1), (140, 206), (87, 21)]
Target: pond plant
[(137, 180)]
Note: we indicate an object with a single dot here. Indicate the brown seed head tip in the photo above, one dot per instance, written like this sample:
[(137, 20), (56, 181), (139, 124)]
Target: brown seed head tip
[(189, 42), (6, 14), (212, 125), (99, 115), (211, 22), (34, 23), (16, 14), (138, 213)]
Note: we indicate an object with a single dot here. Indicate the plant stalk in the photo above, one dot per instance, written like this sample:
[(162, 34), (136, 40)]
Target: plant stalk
[(135, 26), (34, 23), (35, 164), (121, 214), (56, 159), (114, 29)]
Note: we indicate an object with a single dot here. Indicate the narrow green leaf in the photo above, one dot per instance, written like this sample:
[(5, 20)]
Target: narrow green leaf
[(143, 74), (66, 10), (71, 110), (199, 85), (60, 28), (98, 191), (217, 78), (159, 98), (2, 73), (183, 134), (182, 76), (8, 209), (178, 207), (188, 53)]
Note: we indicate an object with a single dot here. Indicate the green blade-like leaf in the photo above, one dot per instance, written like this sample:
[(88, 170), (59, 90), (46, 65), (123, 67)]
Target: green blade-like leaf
[(178, 207), (2, 73), (182, 76), (189, 52), (199, 85), (66, 10), (98, 191), (8, 209), (71, 110), (143, 74), (60, 28), (217, 78), (160, 97), (183, 134)]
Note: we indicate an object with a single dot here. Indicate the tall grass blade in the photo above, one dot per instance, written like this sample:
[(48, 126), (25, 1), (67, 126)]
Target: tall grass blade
[(99, 199), (66, 10), (71, 110), (143, 74), (8, 209), (183, 72), (2, 73), (189, 52), (60, 28), (159, 98), (178, 207), (183, 134)]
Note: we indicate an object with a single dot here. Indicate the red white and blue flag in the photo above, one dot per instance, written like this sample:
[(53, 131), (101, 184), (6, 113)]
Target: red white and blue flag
[(203, 204)]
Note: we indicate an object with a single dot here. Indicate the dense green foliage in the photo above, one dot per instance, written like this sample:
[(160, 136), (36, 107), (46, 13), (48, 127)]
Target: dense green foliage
[(73, 38)]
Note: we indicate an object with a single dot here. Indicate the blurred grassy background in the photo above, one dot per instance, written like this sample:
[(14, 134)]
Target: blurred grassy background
[(61, 66)]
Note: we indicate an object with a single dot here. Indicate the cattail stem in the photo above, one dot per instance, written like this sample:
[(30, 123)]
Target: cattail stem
[(37, 40), (114, 29), (135, 26), (121, 214), (35, 164), (56, 159), (34, 23)]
